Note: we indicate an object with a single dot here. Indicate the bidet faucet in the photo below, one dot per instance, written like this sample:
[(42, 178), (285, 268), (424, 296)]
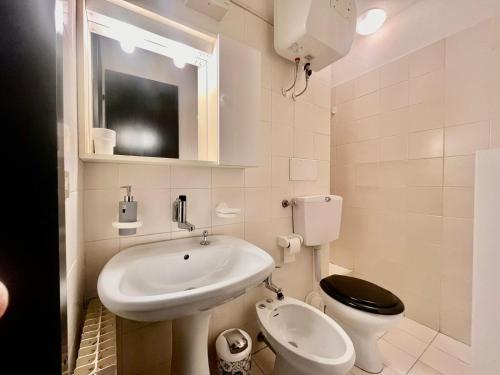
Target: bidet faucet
[(268, 283), (179, 214)]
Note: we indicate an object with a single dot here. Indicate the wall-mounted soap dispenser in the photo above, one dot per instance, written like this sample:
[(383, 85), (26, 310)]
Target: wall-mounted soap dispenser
[(127, 212)]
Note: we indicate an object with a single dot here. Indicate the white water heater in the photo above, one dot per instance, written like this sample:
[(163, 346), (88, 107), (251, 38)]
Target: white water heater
[(315, 31)]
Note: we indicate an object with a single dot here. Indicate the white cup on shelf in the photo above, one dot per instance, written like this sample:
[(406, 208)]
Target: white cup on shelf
[(104, 140)]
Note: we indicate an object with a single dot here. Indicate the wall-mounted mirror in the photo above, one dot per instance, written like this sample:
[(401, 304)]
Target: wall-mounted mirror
[(152, 90), (148, 95)]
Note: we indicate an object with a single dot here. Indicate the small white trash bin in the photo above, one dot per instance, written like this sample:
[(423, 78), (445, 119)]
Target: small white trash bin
[(234, 348)]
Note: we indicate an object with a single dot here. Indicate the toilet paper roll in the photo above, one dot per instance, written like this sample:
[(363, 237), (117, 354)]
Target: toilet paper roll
[(292, 249)]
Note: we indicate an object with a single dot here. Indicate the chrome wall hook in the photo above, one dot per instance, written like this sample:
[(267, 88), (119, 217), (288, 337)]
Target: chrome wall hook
[(286, 203)]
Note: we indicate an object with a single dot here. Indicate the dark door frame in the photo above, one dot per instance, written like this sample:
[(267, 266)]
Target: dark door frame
[(32, 246)]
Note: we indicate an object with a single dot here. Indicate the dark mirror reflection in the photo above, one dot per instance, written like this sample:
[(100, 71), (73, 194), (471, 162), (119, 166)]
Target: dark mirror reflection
[(149, 100)]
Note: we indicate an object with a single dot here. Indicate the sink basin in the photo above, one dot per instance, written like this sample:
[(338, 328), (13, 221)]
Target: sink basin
[(181, 280), (170, 279)]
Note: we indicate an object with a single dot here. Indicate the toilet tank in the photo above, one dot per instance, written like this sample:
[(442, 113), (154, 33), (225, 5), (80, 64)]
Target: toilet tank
[(317, 218)]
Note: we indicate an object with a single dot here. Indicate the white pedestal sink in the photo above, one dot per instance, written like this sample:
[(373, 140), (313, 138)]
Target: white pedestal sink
[(181, 280)]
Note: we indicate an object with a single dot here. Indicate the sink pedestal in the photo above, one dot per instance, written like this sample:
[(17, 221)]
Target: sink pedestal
[(189, 344)]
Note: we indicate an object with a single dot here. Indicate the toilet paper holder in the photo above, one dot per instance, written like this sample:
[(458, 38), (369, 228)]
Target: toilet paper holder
[(284, 241), (290, 246)]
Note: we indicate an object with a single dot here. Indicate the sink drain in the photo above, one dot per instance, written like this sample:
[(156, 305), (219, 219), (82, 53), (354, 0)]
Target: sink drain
[(294, 344), (190, 288)]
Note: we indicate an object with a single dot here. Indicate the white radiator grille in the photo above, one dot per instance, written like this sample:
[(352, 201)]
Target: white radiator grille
[(97, 353)]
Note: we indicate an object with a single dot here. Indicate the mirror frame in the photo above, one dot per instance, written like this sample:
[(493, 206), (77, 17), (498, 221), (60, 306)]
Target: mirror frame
[(90, 21)]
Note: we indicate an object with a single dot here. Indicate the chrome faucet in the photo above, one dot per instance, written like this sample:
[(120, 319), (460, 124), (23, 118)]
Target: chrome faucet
[(179, 214), (268, 283)]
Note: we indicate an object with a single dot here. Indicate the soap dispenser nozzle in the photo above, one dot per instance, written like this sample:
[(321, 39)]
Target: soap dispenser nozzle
[(128, 197)]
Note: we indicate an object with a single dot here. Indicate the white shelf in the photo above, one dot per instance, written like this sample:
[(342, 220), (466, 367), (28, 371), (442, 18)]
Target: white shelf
[(132, 225)]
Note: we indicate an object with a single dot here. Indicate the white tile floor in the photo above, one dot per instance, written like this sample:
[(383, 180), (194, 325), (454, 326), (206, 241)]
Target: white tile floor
[(410, 348)]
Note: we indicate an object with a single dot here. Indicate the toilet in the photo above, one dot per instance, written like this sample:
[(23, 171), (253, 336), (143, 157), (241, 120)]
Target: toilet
[(305, 340), (363, 309)]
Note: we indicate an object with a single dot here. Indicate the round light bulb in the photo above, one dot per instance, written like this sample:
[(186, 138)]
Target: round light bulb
[(179, 63), (370, 21), (127, 46)]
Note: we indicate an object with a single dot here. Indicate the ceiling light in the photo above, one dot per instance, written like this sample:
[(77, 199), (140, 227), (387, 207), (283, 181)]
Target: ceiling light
[(370, 21)]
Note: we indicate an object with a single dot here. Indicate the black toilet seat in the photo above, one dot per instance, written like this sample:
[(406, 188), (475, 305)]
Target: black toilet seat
[(362, 295)]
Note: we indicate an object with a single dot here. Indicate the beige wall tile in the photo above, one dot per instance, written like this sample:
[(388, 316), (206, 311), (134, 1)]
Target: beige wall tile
[(426, 144), (320, 93), (427, 88), (303, 143), (367, 152), (100, 210), (154, 209), (228, 177), (424, 228), (100, 176), (394, 198), (345, 92), (459, 170), (333, 97), (394, 122), (366, 128), (321, 147), (458, 202), (282, 110), (467, 75), (425, 172), (367, 174), (394, 97), (456, 295), (280, 171), (278, 195), (282, 140), (321, 120), (466, 96), (427, 59), (259, 176), (457, 248), (466, 139), (345, 175), (97, 253), (144, 176), (265, 106), (426, 115), (393, 174), (495, 133), (367, 83), (367, 105), (394, 148), (394, 72), (494, 84), (425, 200), (257, 204), (191, 177), (367, 197)]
